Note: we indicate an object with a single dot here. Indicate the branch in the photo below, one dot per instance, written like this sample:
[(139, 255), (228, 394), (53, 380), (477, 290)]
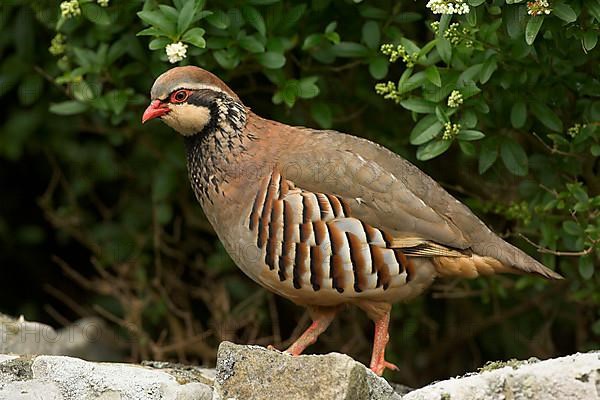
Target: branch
[(554, 150), (546, 250)]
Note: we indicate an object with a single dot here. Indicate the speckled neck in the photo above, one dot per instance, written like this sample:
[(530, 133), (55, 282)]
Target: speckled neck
[(211, 153)]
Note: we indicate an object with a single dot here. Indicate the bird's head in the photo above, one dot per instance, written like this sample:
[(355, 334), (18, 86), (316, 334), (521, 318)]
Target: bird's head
[(188, 99)]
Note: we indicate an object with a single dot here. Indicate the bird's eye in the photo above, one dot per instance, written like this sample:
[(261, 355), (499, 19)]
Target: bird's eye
[(180, 96)]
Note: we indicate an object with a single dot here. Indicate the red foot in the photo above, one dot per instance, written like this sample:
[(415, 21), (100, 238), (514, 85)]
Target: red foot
[(288, 351), (380, 367)]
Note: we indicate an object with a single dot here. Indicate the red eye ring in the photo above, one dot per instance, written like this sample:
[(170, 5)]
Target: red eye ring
[(180, 96)]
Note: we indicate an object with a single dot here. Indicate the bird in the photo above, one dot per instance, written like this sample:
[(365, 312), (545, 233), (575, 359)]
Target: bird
[(322, 218)]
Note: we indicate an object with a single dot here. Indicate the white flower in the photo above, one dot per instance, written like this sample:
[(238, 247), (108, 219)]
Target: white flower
[(103, 3), (575, 129), (455, 99), (450, 131), (448, 6), (57, 45), (538, 7), (70, 8), (176, 52)]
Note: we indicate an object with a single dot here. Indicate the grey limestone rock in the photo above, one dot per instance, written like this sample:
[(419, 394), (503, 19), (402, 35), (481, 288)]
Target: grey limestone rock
[(253, 372)]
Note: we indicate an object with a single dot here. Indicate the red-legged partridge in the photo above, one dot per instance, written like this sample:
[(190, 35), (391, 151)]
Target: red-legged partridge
[(320, 217)]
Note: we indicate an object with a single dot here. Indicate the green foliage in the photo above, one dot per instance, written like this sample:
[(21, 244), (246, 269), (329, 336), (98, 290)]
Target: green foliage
[(504, 106)]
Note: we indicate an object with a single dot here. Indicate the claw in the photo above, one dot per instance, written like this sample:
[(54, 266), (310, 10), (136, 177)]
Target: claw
[(380, 367)]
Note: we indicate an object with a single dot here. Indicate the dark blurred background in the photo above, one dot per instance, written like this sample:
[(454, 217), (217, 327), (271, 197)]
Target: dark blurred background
[(97, 217)]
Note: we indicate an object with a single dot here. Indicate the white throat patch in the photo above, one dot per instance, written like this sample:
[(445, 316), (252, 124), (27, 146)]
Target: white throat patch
[(187, 119)]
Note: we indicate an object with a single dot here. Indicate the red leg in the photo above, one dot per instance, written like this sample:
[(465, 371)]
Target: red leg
[(378, 363), (321, 320)]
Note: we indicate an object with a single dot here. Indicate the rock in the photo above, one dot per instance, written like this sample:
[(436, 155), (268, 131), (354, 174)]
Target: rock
[(88, 338), (574, 377), (67, 378), (253, 373)]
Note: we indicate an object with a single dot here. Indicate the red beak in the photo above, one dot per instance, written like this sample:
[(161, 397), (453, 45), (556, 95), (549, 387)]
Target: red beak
[(155, 109)]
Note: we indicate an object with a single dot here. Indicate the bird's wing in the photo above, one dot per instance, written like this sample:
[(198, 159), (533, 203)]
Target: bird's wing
[(386, 191)]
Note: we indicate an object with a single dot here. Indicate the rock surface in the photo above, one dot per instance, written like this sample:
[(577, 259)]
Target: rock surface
[(253, 372), (574, 377), (87, 338), (67, 378)]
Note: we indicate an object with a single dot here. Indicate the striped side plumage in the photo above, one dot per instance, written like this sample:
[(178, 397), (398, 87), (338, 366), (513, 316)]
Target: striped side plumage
[(312, 240)]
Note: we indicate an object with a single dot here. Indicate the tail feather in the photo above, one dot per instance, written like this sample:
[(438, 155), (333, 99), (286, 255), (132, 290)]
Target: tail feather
[(513, 257), (470, 267)]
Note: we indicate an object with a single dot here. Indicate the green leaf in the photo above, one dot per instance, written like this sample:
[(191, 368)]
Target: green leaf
[(546, 116), (470, 135), (564, 12), (468, 119), (186, 15), (158, 20), (70, 107), (255, 19), (307, 87), (371, 34), (467, 148), (152, 31), (595, 150), (85, 57), (271, 59), (415, 81), (169, 12), (226, 59), (378, 67), (441, 115), (158, 43), (586, 267), (82, 91), (195, 36), (251, 44), (95, 14), (514, 17), (489, 67), (470, 74), (349, 50), (218, 19), (312, 40), (518, 114), (332, 37), (578, 192), (514, 157), (433, 75), (594, 9), (331, 27), (532, 28), (432, 149), (425, 130), (488, 155), (444, 49), (590, 39), (571, 227), (418, 105), (407, 17), (427, 48)]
